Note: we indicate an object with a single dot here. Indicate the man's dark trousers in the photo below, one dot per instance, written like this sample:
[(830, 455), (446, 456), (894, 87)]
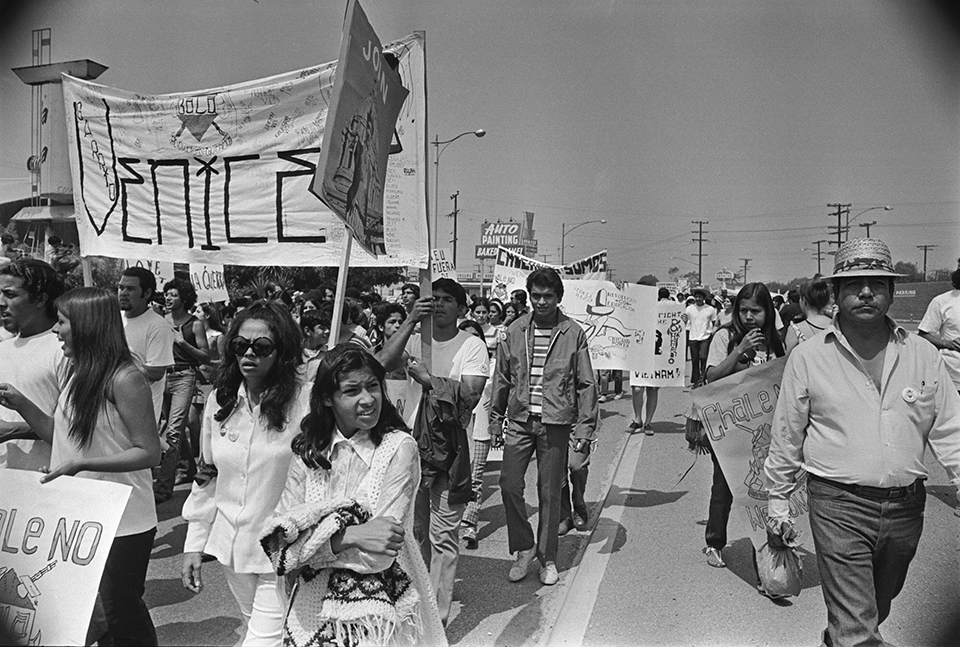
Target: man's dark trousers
[(549, 443)]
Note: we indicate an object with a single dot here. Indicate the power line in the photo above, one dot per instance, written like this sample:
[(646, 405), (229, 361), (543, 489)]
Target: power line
[(925, 248)]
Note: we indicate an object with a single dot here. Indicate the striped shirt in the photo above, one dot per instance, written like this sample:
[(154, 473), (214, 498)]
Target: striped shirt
[(538, 358)]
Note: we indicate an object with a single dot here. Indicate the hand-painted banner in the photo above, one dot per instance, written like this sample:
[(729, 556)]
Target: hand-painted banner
[(162, 271), (209, 282), (670, 349), (222, 175), (55, 540), (367, 96), (511, 270), (737, 413), (619, 325), (441, 265)]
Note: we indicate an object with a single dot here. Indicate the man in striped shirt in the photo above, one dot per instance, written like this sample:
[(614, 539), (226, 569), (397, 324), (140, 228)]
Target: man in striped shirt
[(544, 389)]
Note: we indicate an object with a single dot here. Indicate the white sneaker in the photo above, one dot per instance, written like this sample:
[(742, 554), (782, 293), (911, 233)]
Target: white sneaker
[(549, 575), (520, 565)]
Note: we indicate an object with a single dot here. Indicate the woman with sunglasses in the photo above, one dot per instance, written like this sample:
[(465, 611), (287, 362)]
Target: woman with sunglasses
[(248, 424)]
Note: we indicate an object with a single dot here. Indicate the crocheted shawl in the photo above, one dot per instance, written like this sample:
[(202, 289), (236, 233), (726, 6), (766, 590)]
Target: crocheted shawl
[(338, 606)]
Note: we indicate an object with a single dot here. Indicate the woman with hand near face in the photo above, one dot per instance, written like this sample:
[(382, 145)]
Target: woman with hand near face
[(345, 520), (248, 423), (750, 339), (104, 428)]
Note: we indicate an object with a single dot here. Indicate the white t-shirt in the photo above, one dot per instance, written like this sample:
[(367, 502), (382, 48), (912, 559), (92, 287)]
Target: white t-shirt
[(701, 321), (150, 338), (36, 366), (465, 354), (943, 318)]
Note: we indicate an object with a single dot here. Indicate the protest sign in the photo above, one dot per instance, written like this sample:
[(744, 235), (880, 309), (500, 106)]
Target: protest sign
[(55, 541), (441, 265), (161, 270), (669, 349), (616, 323), (208, 280), (367, 96), (737, 414), (511, 270), (222, 175)]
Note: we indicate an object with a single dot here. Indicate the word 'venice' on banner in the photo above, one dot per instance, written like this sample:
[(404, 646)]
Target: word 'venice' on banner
[(222, 175)]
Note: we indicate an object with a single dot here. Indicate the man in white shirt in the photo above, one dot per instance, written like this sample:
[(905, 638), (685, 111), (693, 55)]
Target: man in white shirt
[(701, 320), (444, 493), (32, 361), (941, 327)]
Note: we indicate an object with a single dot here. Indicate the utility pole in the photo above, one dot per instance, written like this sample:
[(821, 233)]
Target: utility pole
[(700, 240), (867, 225), (746, 262), (842, 209), (925, 248), (454, 215), (819, 254)]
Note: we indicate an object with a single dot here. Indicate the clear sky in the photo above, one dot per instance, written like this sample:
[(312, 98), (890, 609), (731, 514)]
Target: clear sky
[(750, 114)]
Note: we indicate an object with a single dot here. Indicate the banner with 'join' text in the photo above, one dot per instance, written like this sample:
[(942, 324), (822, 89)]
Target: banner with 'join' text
[(223, 175)]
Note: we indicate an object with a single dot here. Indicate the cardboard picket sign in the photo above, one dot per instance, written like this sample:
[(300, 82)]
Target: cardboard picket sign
[(737, 414), (669, 349), (54, 541), (209, 281)]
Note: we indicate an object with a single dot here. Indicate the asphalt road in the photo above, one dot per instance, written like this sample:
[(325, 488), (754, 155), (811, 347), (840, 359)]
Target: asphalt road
[(637, 577)]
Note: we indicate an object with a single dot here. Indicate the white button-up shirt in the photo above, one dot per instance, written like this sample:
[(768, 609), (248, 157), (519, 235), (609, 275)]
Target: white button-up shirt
[(227, 514), (832, 421)]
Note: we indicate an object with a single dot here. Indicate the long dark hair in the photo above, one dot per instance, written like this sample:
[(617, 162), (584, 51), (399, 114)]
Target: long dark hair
[(757, 292), (281, 381), (99, 351), (316, 429)]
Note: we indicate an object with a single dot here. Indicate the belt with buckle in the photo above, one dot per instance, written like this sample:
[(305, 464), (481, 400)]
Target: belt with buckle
[(870, 491)]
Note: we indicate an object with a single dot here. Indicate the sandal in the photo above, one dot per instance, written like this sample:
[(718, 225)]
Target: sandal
[(648, 430), (714, 558)]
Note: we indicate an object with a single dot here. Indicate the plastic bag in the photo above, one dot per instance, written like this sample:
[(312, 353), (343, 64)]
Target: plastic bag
[(780, 571)]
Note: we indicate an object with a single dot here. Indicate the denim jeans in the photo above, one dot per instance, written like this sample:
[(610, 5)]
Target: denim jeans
[(864, 548), (181, 386), (698, 358), (721, 500)]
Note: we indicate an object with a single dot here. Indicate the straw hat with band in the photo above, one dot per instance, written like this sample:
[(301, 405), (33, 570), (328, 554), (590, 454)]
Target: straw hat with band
[(863, 257)]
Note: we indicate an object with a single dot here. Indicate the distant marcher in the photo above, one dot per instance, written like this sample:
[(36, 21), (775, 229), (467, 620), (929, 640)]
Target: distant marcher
[(941, 327), (409, 294), (701, 320), (519, 299), (479, 434), (858, 407), (104, 428), (509, 313), (315, 328), (544, 389), (248, 424), (816, 299), (750, 340)]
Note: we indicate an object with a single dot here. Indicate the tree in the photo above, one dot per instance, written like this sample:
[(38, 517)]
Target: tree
[(648, 279), (242, 279), (913, 275), (674, 273)]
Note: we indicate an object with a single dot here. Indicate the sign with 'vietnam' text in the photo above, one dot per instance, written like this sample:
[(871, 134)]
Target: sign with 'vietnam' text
[(54, 538), (223, 175)]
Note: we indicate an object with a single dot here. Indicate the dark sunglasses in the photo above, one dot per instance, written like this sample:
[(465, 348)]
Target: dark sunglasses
[(262, 346)]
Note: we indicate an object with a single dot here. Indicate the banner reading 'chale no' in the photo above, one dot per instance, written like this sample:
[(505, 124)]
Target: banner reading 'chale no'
[(222, 175)]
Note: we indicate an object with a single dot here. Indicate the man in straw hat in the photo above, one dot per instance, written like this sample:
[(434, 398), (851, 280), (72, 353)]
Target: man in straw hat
[(858, 406)]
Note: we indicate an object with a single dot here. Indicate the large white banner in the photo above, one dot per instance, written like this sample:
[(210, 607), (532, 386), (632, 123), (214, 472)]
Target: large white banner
[(619, 325), (510, 272), (222, 175), (669, 349), (54, 540)]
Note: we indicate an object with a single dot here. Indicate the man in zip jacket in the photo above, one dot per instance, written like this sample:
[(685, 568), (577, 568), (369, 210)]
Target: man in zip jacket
[(544, 388)]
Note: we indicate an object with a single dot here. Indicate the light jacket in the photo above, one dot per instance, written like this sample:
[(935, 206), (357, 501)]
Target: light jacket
[(440, 430), (569, 389)]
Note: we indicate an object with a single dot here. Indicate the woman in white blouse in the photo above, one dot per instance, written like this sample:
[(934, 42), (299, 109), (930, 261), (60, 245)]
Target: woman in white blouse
[(249, 422), (343, 532)]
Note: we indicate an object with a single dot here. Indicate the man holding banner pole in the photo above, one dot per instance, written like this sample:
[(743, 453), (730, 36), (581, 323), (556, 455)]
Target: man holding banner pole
[(858, 406)]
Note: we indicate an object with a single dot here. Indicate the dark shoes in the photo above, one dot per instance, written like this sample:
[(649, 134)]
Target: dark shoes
[(565, 526), (580, 520)]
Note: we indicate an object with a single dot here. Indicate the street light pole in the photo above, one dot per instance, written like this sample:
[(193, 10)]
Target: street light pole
[(564, 231), (437, 152)]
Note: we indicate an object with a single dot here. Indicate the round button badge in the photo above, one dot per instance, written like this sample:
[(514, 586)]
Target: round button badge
[(909, 395)]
